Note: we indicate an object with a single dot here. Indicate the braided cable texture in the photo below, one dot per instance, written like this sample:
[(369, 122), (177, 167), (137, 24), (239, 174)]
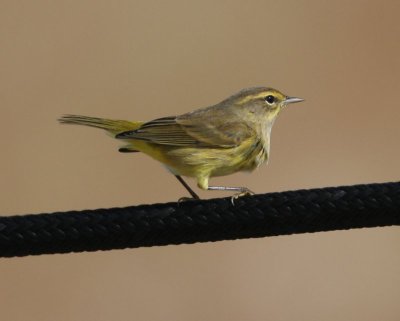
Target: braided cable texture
[(333, 208)]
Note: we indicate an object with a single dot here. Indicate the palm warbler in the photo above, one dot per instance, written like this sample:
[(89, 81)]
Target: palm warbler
[(231, 136)]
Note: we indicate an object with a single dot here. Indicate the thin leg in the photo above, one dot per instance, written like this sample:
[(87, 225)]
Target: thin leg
[(242, 191), (193, 194), (227, 188)]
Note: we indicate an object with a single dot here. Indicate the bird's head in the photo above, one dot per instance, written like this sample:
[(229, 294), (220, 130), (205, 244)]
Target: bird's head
[(262, 101)]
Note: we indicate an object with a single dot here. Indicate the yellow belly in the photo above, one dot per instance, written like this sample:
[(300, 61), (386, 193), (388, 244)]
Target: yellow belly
[(205, 162)]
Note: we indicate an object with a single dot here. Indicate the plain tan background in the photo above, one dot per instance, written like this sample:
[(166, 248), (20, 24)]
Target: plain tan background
[(147, 59)]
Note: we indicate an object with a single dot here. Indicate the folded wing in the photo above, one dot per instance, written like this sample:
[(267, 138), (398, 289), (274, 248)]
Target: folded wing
[(203, 128)]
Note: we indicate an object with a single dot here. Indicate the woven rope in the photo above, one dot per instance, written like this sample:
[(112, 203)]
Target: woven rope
[(334, 208)]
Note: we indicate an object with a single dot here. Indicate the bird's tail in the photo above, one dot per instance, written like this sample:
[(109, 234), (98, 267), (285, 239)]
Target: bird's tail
[(113, 127)]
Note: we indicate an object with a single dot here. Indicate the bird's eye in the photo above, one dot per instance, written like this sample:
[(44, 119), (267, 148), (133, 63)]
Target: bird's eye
[(270, 99)]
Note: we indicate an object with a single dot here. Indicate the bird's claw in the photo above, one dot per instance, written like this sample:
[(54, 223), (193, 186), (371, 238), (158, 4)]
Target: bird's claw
[(187, 199), (244, 192)]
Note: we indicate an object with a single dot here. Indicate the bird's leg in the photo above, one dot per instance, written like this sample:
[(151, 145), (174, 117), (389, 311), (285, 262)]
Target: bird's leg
[(191, 192), (242, 191)]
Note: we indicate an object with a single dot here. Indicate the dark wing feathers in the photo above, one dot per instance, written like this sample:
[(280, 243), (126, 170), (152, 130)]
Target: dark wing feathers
[(164, 131), (205, 127)]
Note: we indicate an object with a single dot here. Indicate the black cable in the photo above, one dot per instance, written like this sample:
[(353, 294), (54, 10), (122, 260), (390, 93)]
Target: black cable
[(326, 209)]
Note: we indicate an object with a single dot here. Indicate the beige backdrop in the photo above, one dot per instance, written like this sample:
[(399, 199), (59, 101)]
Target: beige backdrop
[(146, 59)]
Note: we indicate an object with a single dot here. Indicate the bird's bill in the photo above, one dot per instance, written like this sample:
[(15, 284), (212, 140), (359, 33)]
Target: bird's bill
[(292, 100)]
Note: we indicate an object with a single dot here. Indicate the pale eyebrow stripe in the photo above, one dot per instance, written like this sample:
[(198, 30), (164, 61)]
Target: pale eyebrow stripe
[(248, 98)]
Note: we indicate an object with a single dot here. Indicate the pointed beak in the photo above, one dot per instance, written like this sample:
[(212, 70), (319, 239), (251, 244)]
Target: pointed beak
[(292, 100)]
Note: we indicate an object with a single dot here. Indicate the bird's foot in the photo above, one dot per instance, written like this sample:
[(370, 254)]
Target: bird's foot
[(187, 199), (244, 192)]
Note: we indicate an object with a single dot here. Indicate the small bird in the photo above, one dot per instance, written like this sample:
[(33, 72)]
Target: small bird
[(231, 136)]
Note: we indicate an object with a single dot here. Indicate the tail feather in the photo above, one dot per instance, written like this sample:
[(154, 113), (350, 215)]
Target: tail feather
[(112, 126)]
